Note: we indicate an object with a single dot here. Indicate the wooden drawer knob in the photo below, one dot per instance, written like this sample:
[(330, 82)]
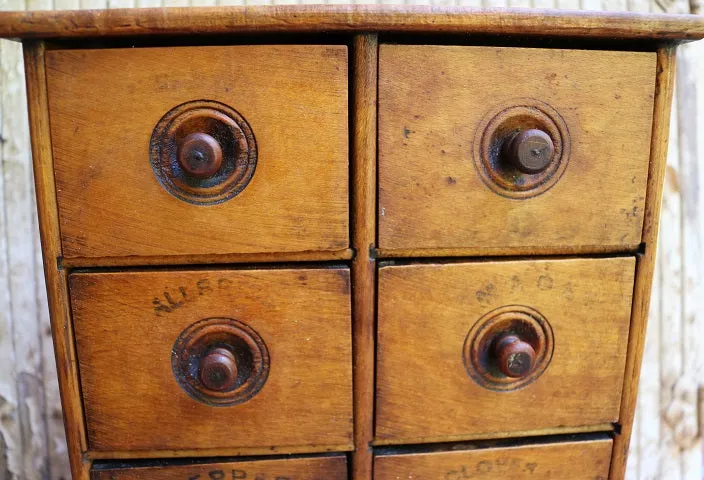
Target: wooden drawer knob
[(218, 370), (200, 155), (515, 358), (508, 348), (220, 361), (530, 151)]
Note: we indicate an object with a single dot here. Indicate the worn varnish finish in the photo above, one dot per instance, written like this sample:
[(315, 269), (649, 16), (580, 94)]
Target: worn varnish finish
[(332, 468), (56, 278), (363, 239), (431, 193), (127, 324), (297, 199), (587, 460), (674, 402), (646, 262), (427, 311), (222, 20)]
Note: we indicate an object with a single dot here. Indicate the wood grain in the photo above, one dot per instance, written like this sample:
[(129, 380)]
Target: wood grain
[(297, 200), (125, 334), (493, 251), (363, 240), (516, 435), (588, 460), (426, 312), (431, 195), (325, 468), (17, 227), (646, 262), (56, 279), (318, 18), (240, 258)]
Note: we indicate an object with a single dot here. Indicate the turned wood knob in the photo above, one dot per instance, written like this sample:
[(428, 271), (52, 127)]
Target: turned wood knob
[(218, 370), (200, 155), (515, 357), (530, 151)]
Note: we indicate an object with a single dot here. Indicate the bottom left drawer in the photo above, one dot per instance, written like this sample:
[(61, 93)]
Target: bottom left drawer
[(316, 468)]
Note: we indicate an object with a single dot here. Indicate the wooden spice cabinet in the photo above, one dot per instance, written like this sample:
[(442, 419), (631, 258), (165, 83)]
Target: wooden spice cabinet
[(341, 242)]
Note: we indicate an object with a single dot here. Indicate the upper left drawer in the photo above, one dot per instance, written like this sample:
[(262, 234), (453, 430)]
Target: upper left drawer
[(200, 150)]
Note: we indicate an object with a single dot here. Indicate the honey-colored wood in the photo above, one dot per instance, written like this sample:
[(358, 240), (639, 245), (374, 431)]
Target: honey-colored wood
[(56, 281), (646, 261), (126, 325), (328, 468), (491, 251), (587, 460), (601, 306), (363, 240), (346, 254), (597, 428), (327, 18), (190, 453), (430, 192), (106, 103), (427, 311)]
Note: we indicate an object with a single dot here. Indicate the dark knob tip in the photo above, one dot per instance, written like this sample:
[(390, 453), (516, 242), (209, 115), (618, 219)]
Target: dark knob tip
[(218, 370), (530, 151), (200, 155), (516, 358)]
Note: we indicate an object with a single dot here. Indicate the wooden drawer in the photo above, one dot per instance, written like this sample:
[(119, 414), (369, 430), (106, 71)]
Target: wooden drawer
[(587, 460), (135, 174), (155, 377), (318, 468), (454, 361), (453, 172)]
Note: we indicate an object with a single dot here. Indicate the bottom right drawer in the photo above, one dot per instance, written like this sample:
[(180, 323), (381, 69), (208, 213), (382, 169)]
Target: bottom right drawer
[(585, 460)]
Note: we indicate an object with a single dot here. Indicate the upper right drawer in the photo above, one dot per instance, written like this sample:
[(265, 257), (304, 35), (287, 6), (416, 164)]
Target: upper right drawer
[(501, 148)]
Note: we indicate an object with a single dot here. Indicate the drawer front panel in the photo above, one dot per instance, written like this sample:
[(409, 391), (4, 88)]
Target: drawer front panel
[(326, 468), (215, 359), (449, 155), (155, 147), (588, 460), (447, 367)]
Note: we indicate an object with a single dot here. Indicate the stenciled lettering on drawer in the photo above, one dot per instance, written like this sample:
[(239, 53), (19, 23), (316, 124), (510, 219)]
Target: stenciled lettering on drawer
[(240, 474), (174, 298), (576, 460), (506, 465)]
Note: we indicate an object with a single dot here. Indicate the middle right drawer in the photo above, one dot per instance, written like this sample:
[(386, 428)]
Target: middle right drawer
[(468, 350)]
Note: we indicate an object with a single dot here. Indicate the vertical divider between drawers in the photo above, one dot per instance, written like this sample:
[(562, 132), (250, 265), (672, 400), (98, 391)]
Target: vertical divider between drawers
[(364, 149)]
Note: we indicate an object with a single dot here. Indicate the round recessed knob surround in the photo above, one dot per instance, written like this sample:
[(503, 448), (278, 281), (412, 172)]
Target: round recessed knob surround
[(220, 361), (530, 151), (200, 155), (515, 358), (218, 370), (521, 148), (203, 152), (508, 348)]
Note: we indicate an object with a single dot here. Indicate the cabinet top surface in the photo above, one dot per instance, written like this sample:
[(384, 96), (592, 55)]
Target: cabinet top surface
[(345, 18)]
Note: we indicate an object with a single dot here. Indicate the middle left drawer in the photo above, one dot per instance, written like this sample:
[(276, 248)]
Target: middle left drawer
[(215, 359)]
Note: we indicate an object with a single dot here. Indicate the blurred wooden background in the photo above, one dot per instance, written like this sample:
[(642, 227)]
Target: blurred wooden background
[(667, 442)]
